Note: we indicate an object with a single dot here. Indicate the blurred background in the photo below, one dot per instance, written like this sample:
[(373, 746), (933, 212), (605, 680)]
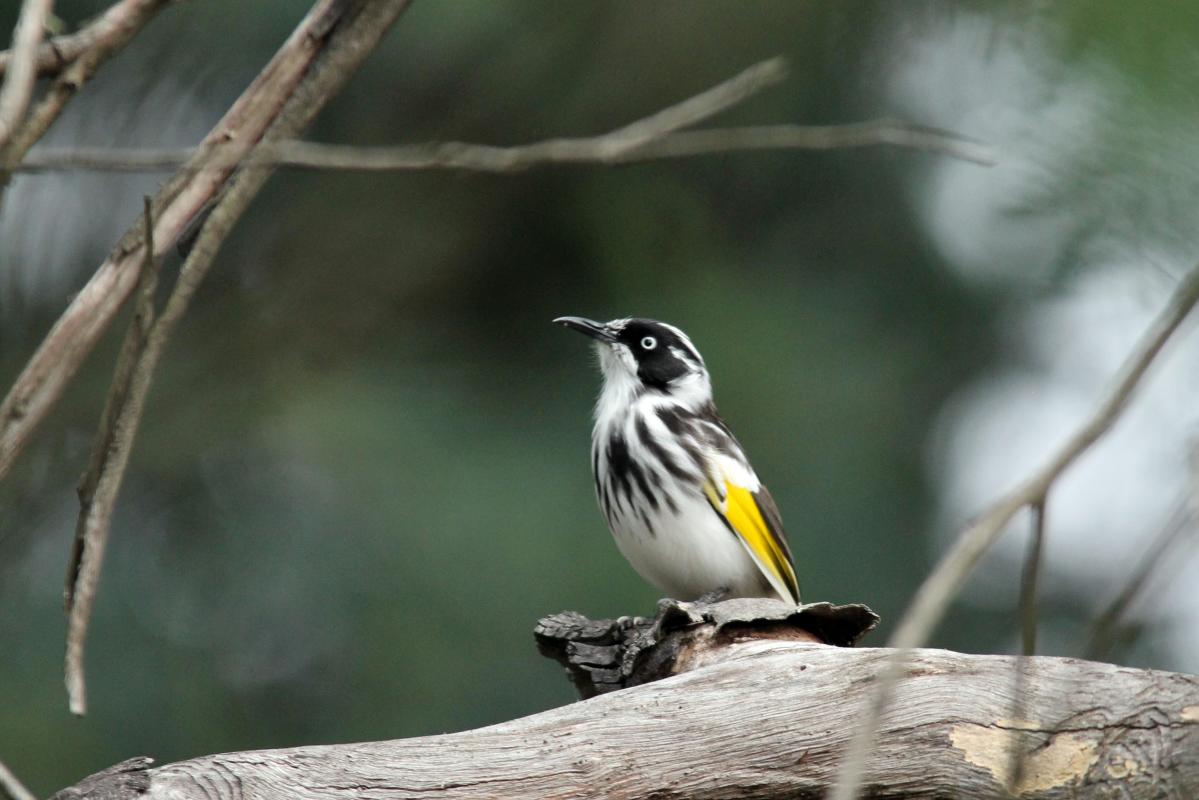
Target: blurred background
[(363, 471)]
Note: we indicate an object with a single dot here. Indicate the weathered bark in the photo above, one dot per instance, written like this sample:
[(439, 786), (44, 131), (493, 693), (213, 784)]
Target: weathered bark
[(771, 720), (604, 655)]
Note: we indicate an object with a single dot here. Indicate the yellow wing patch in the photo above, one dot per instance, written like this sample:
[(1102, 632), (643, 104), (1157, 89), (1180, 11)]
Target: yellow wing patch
[(742, 514)]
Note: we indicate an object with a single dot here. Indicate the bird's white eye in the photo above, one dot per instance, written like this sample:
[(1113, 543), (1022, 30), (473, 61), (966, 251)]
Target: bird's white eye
[(649, 343)]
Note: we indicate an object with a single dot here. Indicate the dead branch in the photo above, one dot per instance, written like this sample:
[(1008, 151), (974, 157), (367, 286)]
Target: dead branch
[(18, 81), (100, 484), (175, 206), (658, 136), (1029, 579), (608, 148), (770, 721), (121, 29), (55, 54), (946, 579), (198, 181), (348, 37), (51, 55), (1183, 522), (11, 786)]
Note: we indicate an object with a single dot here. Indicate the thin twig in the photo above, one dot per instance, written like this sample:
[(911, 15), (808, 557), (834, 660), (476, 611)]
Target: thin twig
[(1028, 615), (131, 348), (704, 105), (191, 190), (21, 75), (872, 133), (946, 579), (357, 35), (1184, 520), (122, 23), (11, 785), (608, 148), (102, 482), (176, 205), (602, 149), (1028, 580), (54, 54)]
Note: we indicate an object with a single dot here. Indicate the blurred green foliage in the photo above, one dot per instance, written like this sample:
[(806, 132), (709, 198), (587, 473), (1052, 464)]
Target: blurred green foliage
[(363, 472)]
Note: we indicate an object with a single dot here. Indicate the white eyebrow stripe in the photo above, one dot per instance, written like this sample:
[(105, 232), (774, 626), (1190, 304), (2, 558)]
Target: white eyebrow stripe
[(692, 354), (680, 354)]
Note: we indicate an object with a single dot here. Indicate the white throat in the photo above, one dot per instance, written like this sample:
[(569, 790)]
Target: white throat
[(623, 392)]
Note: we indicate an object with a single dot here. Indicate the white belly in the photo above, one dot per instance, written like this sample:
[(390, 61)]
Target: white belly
[(689, 553), (681, 545)]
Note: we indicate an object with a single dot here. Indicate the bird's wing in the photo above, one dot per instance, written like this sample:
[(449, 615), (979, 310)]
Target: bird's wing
[(754, 518)]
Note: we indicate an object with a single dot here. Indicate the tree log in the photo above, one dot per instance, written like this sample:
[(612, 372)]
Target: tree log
[(604, 655), (771, 719)]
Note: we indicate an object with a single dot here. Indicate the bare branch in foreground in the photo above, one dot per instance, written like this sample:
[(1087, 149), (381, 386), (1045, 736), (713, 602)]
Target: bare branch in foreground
[(945, 581), (1029, 578), (50, 56), (1183, 521), (1028, 615), (133, 16), (770, 719), (610, 148), (195, 185), (19, 79), (357, 33), (55, 54), (704, 105), (11, 786), (76, 332), (101, 483)]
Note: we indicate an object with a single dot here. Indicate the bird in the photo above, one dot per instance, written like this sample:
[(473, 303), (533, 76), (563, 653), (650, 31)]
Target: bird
[(673, 483)]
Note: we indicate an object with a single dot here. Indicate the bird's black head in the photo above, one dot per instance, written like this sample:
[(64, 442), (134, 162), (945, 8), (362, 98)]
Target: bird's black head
[(657, 355)]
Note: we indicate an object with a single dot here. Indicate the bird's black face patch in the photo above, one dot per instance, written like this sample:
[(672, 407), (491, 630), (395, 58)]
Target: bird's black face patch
[(656, 349)]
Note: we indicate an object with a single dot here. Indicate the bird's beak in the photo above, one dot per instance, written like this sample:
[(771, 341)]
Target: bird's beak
[(596, 330)]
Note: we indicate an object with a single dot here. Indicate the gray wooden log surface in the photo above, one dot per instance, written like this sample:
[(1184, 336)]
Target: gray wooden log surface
[(770, 719), (607, 655)]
